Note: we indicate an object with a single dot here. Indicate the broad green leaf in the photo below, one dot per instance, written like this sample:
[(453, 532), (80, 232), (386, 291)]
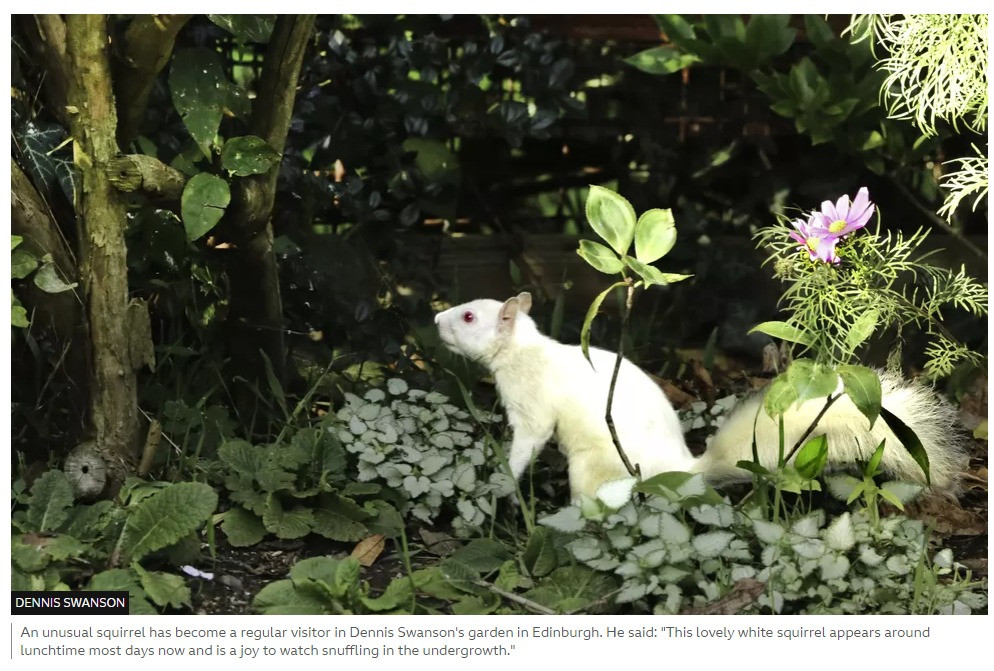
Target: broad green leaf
[(15, 240), (812, 457), (649, 274), (483, 555), (166, 517), (248, 155), (293, 523), (46, 154), (784, 331), (242, 528), (166, 590), (246, 27), (51, 498), (779, 396), (203, 202), (123, 580), (18, 315), (862, 328), (539, 557), (48, 280), (435, 160), (661, 60), (589, 319), (282, 598), (909, 439), (862, 386), (199, 90), (612, 218), (600, 257), (22, 264), (677, 29), (655, 235), (812, 380), (340, 519)]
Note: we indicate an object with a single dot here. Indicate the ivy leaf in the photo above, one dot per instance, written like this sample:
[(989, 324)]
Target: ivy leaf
[(784, 331), (612, 217), (862, 386), (203, 202), (166, 517), (48, 280), (600, 257), (655, 235), (248, 155)]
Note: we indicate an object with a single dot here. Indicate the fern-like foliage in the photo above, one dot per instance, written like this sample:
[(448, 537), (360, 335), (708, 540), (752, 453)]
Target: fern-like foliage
[(882, 281)]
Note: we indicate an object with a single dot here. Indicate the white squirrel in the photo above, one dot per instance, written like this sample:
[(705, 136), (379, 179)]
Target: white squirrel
[(549, 388)]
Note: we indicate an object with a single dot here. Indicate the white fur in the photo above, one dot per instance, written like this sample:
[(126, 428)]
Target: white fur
[(549, 388)]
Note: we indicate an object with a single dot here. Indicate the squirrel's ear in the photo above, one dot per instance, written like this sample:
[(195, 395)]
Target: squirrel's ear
[(524, 302), (509, 312)]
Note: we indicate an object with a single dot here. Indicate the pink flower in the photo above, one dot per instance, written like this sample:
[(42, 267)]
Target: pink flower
[(842, 218), (815, 237)]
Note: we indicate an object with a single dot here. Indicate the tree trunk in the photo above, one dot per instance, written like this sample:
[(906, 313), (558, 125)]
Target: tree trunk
[(256, 307), (101, 218)]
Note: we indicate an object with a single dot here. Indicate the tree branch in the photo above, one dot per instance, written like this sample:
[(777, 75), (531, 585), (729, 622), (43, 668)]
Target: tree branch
[(139, 172), (50, 43), (148, 44)]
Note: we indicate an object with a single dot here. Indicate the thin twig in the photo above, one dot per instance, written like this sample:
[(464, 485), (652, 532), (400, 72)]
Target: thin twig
[(633, 471), (811, 427), (520, 600), (937, 220)]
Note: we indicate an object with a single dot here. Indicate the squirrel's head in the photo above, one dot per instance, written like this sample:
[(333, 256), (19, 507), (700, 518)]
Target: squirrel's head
[(480, 329)]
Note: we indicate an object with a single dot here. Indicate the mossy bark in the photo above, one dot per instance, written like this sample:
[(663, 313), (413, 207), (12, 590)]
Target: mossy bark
[(101, 220)]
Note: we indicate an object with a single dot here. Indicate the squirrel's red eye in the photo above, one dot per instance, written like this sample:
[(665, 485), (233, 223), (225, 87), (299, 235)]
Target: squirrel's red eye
[(468, 317)]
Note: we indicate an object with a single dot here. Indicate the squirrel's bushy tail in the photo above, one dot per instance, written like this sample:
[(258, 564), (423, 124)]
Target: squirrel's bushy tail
[(850, 438)]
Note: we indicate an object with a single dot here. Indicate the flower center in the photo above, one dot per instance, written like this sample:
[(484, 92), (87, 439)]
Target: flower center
[(836, 226), (812, 243)]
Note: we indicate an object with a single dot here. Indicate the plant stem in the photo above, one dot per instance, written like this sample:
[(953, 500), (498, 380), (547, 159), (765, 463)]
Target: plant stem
[(811, 427), (937, 220), (633, 471)]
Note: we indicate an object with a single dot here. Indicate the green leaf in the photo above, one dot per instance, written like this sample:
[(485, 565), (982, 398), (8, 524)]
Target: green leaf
[(672, 278), (661, 60), (166, 517), (812, 380), (248, 155), (862, 328), (655, 235), (539, 557), (909, 439), (242, 527), (784, 331), (200, 92), (891, 498), (164, 589), (340, 519), (589, 319), (48, 280), (15, 240), (51, 498), (612, 217), (600, 257), (435, 160), (22, 264), (203, 202), (812, 457), (567, 520), (288, 524), (874, 464), (18, 315), (712, 543), (679, 31), (246, 27), (283, 598), (862, 386), (752, 467), (482, 555), (649, 274), (123, 580), (817, 30), (779, 396)]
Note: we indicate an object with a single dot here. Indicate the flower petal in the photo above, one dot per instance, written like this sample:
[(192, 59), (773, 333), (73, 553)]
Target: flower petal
[(828, 209), (842, 207)]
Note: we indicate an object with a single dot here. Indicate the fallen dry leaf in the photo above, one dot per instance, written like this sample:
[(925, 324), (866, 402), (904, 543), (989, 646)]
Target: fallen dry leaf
[(368, 549)]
